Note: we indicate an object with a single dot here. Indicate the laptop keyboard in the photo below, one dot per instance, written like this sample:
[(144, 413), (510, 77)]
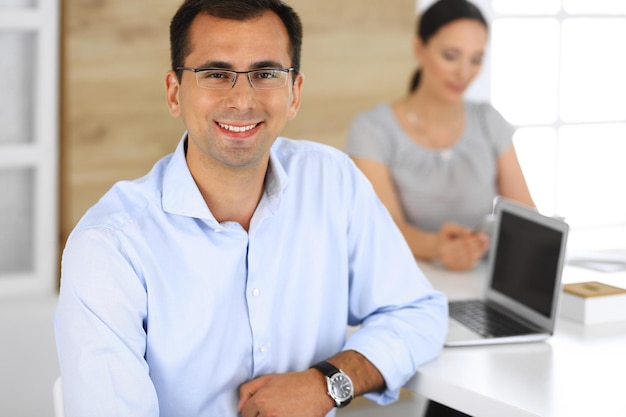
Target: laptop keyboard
[(485, 320)]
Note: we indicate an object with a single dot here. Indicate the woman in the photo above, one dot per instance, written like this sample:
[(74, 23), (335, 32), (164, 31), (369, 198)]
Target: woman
[(436, 160)]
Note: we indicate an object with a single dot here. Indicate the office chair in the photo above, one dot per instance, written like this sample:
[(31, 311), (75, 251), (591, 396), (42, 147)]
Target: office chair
[(57, 395)]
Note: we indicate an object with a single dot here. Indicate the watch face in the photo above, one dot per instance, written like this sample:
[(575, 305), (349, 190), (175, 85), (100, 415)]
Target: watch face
[(340, 387)]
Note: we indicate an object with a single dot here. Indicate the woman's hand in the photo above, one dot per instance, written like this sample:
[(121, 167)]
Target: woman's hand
[(461, 248)]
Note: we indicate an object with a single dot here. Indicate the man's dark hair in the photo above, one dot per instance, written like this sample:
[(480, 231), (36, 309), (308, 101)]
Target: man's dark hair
[(236, 10)]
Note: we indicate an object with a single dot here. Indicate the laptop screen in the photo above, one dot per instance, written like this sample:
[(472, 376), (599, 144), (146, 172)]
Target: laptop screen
[(526, 262)]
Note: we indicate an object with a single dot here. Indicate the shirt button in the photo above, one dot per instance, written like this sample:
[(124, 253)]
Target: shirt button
[(263, 349), (217, 229), (255, 292)]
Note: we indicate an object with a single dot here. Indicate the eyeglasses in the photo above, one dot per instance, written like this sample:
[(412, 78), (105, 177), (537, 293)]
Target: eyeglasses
[(220, 79)]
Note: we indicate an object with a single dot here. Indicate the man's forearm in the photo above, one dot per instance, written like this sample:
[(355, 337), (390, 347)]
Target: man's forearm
[(365, 376)]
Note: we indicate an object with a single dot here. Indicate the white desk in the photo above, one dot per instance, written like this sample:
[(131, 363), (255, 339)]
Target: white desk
[(580, 371)]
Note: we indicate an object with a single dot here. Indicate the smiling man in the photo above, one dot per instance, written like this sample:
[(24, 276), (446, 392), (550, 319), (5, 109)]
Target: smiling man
[(224, 281)]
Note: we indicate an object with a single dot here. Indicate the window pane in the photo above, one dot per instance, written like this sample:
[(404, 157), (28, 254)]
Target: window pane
[(536, 149), (16, 222), (592, 174), (16, 99), (526, 6), (595, 6), (593, 73), (525, 69)]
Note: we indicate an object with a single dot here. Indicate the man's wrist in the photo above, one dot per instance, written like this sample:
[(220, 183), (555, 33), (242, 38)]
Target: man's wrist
[(323, 388), (339, 385)]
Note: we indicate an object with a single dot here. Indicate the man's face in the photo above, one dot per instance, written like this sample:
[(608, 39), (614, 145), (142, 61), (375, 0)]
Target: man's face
[(234, 127)]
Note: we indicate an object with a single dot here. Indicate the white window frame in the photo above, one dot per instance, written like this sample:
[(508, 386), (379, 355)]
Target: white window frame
[(40, 154)]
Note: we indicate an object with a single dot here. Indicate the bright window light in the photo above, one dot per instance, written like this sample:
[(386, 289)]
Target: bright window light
[(557, 73), (536, 149), (594, 7), (525, 69), (591, 175), (593, 74), (529, 7)]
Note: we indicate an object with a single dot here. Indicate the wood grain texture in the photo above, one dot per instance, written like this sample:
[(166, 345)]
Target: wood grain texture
[(115, 122)]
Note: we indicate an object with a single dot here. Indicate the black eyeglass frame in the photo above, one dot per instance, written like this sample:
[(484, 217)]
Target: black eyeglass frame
[(236, 73)]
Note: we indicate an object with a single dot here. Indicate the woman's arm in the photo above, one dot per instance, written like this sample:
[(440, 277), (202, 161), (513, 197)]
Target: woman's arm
[(422, 244), (456, 246), (511, 181)]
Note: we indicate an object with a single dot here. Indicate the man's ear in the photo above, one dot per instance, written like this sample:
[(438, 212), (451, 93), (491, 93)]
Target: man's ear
[(172, 89), (296, 96)]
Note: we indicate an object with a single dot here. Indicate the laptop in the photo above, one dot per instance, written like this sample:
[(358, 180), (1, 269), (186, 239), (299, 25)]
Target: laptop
[(520, 299)]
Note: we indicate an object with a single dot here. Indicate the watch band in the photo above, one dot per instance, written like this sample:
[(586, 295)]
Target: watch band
[(329, 370)]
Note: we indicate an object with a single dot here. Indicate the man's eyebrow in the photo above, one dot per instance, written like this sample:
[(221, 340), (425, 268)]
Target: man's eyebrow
[(227, 66), (267, 64), (217, 65)]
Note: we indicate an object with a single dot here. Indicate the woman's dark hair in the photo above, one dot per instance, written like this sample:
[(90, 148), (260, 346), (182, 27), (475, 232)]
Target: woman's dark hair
[(236, 10), (438, 15)]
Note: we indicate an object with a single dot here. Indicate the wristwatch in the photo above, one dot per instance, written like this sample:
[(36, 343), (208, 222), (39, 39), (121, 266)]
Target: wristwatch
[(340, 387)]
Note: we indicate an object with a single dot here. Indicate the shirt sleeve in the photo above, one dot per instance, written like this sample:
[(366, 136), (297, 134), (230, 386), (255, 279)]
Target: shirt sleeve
[(499, 131), (401, 319), (100, 330), (367, 137)]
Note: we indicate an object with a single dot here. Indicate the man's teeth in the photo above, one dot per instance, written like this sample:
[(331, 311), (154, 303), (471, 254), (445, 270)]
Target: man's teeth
[(237, 128)]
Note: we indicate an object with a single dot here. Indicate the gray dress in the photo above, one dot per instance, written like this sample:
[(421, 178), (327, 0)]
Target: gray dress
[(436, 186)]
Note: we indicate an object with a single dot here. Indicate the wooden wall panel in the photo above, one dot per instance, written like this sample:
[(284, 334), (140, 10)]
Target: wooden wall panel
[(355, 54), (115, 122)]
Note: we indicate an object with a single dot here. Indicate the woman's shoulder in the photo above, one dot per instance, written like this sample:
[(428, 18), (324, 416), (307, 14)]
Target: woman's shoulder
[(485, 118), (484, 112), (374, 133), (479, 107), (380, 113), (377, 120)]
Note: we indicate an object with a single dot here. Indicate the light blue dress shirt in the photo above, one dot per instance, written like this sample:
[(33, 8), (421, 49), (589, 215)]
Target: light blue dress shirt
[(163, 311)]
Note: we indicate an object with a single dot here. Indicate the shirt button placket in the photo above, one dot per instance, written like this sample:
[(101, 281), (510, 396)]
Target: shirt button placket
[(258, 324), (258, 309)]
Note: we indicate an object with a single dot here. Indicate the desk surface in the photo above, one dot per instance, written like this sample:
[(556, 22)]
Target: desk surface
[(577, 372)]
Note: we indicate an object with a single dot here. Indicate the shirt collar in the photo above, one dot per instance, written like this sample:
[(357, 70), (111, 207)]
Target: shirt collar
[(276, 179), (181, 195)]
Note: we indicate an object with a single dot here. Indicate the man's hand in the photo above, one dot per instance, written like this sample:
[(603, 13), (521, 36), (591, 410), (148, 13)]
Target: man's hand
[(461, 248), (302, 394)]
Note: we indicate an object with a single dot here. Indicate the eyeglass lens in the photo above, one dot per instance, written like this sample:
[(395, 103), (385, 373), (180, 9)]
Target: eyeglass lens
[(260, 79)]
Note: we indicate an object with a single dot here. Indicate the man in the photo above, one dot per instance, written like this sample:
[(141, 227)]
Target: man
[(223, 282)]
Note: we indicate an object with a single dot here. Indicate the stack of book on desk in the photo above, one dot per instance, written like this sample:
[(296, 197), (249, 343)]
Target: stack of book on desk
[(593, 302)]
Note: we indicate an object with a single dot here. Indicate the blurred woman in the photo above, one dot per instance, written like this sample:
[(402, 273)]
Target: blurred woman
[(437, 161)]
